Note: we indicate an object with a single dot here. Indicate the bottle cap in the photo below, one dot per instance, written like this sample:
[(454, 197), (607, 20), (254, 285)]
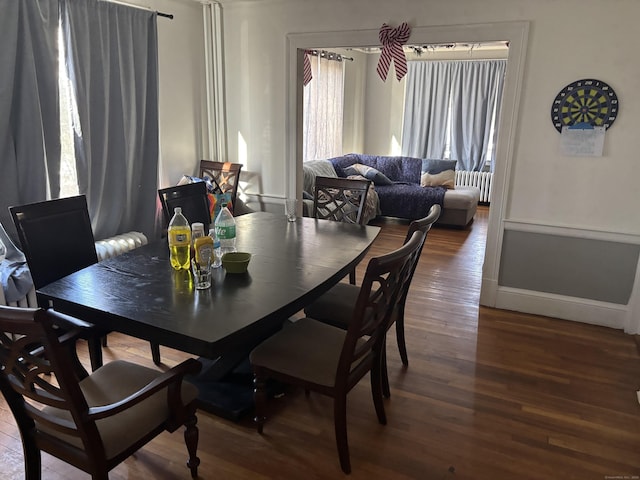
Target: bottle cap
[(197, 226), (177, 210)]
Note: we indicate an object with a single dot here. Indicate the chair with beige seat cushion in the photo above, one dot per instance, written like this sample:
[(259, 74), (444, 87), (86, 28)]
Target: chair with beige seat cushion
[(330, 360), (93, 422), (336, 306)]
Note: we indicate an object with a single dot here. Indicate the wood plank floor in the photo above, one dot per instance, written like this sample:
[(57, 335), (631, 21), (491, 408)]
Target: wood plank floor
[(488, 394)]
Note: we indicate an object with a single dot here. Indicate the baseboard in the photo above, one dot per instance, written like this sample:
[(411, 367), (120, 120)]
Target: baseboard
[(558, 306)]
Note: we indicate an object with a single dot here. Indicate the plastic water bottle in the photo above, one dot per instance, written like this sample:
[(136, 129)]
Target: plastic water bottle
[(217, 253), (226, 231), (179, 234)]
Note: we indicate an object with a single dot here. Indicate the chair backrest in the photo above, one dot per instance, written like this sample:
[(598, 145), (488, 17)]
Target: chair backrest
[(40, 381), (421, 225), (225, 175), (379, 293), (56, 237), (192, 198), (340, 199)]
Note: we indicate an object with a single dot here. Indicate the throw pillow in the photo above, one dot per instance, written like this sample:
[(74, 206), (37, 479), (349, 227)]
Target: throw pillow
[(370, 173), (438, 173)]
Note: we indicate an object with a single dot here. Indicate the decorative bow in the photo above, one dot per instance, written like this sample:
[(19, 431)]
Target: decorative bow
[(392, 40), (306, 68)]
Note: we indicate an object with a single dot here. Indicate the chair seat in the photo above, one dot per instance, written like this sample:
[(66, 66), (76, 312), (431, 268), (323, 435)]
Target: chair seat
[(316, 347), (111, 383), (336, 306)]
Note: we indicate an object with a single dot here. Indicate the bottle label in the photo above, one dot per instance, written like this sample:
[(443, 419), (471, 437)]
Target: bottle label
[(226, 232), (179, 237)]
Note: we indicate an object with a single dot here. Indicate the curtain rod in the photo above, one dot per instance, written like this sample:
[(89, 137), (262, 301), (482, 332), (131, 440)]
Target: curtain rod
[(133, 5), (329, 55)]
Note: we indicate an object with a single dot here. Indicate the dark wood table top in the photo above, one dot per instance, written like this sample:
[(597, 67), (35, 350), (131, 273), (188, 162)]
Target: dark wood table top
[(139, 294)]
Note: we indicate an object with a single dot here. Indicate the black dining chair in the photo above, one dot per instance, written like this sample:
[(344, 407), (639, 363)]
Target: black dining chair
[(331, 361), (192, 198), (57, 240), (93, 422), (336, 306)]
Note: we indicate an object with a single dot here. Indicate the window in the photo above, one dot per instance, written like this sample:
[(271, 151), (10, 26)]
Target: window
[(68, 176)]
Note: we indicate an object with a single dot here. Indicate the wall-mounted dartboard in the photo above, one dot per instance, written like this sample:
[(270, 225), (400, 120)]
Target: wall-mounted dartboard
[(586, 101)]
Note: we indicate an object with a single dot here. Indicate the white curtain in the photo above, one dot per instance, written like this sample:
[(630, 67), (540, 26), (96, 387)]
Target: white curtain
[(323, 110), (452, 109)]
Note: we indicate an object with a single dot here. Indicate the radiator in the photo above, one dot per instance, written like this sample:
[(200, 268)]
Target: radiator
[(482, 180), (107, 248)]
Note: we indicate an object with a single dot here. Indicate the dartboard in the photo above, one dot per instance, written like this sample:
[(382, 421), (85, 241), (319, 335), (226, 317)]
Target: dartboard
[(586, 101)]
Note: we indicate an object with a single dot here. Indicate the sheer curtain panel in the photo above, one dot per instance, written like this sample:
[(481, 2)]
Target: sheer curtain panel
[(323, 110), (29, 115), (112, 56)]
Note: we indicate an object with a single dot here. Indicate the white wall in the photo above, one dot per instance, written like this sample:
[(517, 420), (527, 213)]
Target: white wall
[(255, 47), (182, 98), (355, 87), (544, 188)]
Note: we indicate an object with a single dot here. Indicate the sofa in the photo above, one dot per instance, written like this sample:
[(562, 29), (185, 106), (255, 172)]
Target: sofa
[(397, 182)]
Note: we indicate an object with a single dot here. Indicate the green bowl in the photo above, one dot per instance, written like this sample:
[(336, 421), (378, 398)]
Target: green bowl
[(236, 262)]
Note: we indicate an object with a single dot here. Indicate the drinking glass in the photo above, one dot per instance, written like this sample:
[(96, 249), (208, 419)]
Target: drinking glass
[(290, 205), (201, 273)]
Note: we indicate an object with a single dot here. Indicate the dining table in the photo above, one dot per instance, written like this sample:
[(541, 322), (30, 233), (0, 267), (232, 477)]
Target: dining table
[(139, 294)]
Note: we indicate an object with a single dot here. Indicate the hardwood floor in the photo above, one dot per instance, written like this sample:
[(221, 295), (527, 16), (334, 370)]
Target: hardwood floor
[(488, 394)]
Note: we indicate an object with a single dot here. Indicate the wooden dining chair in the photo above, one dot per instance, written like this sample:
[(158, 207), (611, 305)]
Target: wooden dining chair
[(341, 200), (57, 240), (330, 360), (93, 422), (192, 198), (336, 306), (224, 175)]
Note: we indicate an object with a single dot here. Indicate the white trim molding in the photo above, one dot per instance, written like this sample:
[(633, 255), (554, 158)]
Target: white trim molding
[(563, 307)]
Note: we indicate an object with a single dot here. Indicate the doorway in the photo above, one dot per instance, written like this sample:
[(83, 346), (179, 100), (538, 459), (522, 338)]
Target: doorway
[(515, 33)]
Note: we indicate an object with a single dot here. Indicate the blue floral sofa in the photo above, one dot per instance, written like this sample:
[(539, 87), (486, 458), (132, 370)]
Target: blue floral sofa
[(399, 191)]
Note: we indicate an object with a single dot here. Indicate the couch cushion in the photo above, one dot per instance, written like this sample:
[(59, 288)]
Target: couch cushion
[(370, 173), (438, 173)]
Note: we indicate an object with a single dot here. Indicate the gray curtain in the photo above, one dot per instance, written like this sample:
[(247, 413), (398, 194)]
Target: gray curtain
[(452, 104), (426, 108), (113, 66), (476, 97), (29, 117)]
